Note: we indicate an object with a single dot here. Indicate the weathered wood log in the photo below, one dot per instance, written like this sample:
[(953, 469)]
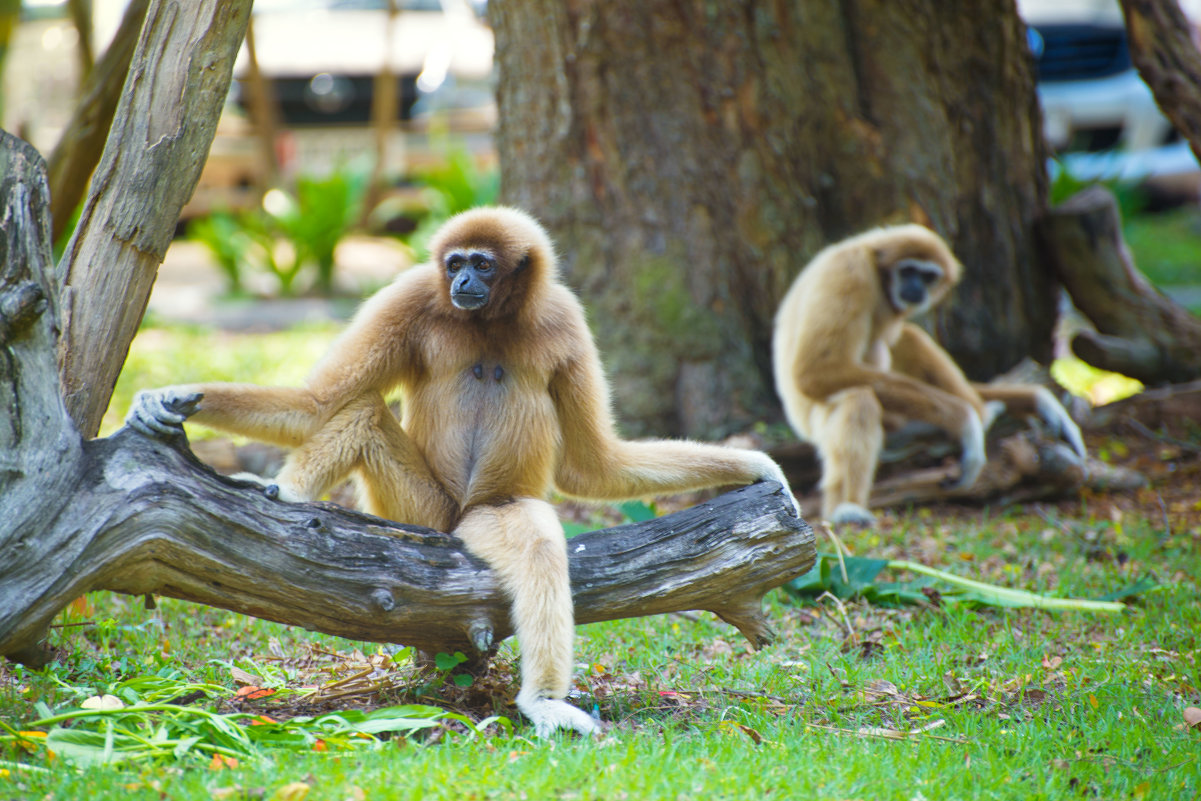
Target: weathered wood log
[(137, 515), (177, 84), (145, 517), (1139, 332)]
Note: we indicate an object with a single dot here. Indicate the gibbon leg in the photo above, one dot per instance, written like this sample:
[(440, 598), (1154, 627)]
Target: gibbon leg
[(851, 438), (393, 478), (523, 542)]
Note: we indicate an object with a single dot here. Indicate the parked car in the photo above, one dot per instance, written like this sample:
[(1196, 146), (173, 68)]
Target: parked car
[(322, 56), (1098, 115)]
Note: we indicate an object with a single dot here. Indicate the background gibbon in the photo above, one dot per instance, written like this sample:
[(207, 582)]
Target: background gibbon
[(847, 362), (503, 400)]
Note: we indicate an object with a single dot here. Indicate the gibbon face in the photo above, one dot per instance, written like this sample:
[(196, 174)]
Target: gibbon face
[(490, 259), (916, 268)]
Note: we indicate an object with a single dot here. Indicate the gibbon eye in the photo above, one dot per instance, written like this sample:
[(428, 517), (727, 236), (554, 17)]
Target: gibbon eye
[(484, 266), (453, 265)]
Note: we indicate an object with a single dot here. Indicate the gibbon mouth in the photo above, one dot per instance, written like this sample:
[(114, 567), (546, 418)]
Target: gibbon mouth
[(468, 301)]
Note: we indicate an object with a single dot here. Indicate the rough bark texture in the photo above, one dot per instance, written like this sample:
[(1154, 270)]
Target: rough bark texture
[(160, 139), (1163, 49), (689, 158), (82, 141), (1139, 331), (137, 515)]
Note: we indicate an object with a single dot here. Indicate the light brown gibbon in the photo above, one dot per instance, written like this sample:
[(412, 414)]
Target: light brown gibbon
[(848, 363), (503, 401)]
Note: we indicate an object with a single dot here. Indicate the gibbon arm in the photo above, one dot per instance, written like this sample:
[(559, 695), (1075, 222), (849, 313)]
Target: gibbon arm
[(369, 357), (595, 463), (917, 355)]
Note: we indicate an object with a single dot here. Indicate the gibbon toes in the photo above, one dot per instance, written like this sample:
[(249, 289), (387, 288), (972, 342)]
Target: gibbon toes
[(161, 412), (551, 714), (852, 514)]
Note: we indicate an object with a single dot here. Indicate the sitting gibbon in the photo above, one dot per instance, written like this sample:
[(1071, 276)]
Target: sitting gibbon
[(503, 402), (846, 359)]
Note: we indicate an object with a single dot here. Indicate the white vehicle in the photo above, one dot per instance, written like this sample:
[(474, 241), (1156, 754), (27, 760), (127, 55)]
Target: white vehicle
[(1098, 116)]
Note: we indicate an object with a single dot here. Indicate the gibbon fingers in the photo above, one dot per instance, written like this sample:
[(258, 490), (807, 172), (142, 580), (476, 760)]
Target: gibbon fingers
[(848, 362), (503, 400)]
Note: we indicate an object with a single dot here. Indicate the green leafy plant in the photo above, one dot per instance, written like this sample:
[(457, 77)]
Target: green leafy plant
[(309, 221), (228, 242), (855, 577), (457, 183), (143, 718)]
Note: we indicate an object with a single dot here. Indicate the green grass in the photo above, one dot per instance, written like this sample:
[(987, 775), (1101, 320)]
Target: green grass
[(1167, 245), (1032, 704)]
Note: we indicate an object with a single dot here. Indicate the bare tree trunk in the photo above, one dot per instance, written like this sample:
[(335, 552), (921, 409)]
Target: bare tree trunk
[(168, 114), (137, 515), (690, 158), (82, 141), (1165, 52)]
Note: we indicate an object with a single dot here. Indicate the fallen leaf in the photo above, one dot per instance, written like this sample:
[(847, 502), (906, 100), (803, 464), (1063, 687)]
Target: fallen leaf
[(103, 702), (253, 691), (293, 791), (221, 762), (1053, 662), (1192, 717), (242, 677)]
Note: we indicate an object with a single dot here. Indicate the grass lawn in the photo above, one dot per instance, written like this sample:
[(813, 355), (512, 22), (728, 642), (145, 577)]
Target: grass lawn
[(1009, 703)]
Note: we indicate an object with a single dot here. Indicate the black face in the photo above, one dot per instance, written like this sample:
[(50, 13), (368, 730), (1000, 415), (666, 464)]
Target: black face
[(913, 281), (471, 274)]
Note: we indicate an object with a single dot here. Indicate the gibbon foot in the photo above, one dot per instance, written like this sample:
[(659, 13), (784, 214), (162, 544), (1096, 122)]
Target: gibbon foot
[(551, 714), (1057, 420), (161, 412), (852, 514)]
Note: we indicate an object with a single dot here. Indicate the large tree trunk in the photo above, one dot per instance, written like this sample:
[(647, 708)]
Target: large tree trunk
[(690, 158), (173, 96), (137, 515)]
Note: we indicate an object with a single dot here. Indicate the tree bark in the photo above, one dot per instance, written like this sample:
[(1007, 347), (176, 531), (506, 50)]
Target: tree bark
[(138, 515), (82, 141), (1164, 50), (690, 158), (1139, 332), (173, 96)]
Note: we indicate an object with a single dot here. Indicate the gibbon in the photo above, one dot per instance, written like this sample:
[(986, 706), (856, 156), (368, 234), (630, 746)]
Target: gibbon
[(848, 363), (503, 401)]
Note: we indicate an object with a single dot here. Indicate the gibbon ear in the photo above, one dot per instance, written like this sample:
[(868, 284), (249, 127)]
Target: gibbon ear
[(525, 262)]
